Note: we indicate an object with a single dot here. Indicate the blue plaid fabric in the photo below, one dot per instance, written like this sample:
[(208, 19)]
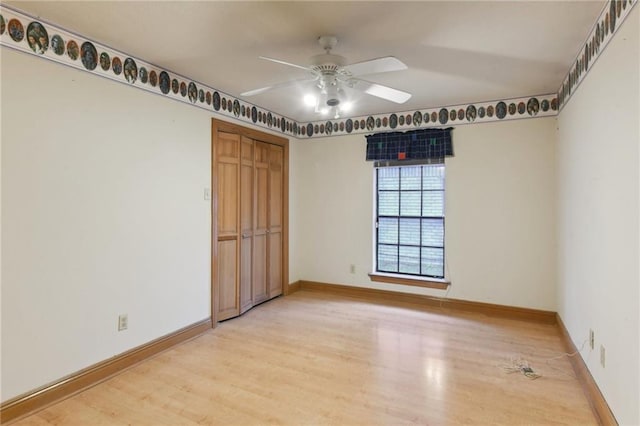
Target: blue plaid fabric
[(424, 144)]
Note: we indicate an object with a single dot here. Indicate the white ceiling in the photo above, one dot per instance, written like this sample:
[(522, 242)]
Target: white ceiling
[(457, 52)]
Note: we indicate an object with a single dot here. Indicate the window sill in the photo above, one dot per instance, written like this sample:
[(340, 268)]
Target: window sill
[(405, 280)]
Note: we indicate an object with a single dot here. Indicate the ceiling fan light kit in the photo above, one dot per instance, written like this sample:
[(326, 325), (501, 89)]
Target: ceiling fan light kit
[(331, 75)]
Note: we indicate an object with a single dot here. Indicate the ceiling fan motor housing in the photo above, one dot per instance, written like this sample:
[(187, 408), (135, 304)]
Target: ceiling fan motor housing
[(329, 68)]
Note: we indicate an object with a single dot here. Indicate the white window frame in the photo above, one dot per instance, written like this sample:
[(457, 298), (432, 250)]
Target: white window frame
[(404, 278)]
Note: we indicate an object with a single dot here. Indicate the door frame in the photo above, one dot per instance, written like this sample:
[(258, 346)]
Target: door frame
[(224, 126)]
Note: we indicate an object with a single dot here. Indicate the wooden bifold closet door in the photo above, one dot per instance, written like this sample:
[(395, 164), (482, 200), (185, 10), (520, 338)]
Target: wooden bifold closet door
[(248, 217)]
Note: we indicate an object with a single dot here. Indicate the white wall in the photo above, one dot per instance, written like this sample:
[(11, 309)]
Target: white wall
[(295, 190), (598, 217), (500, 243), (102, 213)]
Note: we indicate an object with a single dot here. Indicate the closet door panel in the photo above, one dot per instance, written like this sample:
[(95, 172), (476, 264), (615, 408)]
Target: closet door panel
[(227, 168), (275, 264), (246, 274), (275, 186), (246, 224), (261, 223), (227, 199), (228, 291), (260, 291), (276, 160)]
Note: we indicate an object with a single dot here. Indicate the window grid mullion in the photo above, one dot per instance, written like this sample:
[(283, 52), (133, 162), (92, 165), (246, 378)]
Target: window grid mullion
[(421, 213), (399, 215), (377, 219)]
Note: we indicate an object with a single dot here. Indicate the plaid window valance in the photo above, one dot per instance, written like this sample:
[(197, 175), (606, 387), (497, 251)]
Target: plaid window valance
[(425, 144)]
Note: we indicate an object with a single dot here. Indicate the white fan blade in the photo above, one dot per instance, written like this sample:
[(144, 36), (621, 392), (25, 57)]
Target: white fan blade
[(276, 86), (373, 66), (384, 92), (278, 61)]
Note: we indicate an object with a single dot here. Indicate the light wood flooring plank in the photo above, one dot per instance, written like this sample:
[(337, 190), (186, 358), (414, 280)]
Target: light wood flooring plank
[(316, 358)]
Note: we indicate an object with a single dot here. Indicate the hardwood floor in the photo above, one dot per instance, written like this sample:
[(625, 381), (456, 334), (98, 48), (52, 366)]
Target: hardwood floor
[(317, 358)]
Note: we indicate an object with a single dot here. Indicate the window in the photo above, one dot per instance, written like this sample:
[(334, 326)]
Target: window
[(410, 220)]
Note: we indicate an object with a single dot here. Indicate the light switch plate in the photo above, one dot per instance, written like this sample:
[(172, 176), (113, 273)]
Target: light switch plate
[(123, 322)]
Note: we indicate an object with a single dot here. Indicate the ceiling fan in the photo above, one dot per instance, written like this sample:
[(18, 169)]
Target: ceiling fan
[(331, 74)]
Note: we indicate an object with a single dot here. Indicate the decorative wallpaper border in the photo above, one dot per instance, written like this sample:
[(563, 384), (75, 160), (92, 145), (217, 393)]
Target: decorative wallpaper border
[(610, 19), (25, 33), (481, 112), (34, 36)]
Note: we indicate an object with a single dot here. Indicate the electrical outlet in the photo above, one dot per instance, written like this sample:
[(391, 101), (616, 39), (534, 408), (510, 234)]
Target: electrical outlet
[(352, 268), (592, 339), (602, 356), (123, 322)]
